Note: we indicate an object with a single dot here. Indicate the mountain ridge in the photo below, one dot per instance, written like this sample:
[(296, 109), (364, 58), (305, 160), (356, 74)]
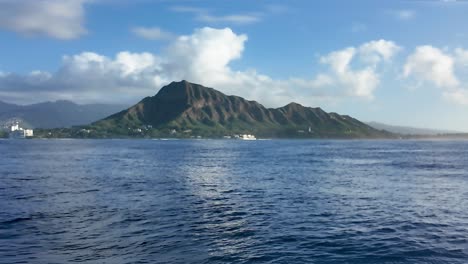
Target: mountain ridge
[(54, 114), (184, 106), (411, 131)]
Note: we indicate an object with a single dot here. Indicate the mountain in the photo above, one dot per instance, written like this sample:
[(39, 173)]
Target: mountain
[(4, 107), (191, 109), (55, 114), (410, 130)]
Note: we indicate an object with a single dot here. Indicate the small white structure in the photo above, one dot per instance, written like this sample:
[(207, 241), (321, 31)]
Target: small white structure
[(247, 137), (28, 133), (15, 127), (18, 132)]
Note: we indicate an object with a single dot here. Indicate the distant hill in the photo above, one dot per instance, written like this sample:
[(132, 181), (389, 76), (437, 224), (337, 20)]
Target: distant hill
[(55, 114), (4, 107), (410, 130), (183, 107)]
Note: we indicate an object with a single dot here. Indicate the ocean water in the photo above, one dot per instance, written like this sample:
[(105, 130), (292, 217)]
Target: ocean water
[(227, 201)]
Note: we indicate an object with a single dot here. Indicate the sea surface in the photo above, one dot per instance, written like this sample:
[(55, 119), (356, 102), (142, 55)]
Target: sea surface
[(228, 201)]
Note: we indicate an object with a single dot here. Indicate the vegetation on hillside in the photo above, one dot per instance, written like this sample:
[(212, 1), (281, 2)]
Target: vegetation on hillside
[(187, 110), (3, 134)]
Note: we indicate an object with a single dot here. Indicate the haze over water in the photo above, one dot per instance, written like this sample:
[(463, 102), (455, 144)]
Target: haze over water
[(227, 201)]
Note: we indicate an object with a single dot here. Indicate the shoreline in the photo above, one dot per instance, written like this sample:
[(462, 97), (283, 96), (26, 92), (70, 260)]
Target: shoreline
[(258, 139)]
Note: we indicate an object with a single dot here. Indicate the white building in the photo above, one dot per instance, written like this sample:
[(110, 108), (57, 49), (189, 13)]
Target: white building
[(28, 133), (15, 127), (18, 132)]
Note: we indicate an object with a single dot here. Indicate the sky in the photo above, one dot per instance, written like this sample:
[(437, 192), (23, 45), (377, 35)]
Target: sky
[(400, 62)]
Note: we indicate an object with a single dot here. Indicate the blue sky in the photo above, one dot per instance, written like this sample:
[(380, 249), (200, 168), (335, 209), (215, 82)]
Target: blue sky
[(399, 62)]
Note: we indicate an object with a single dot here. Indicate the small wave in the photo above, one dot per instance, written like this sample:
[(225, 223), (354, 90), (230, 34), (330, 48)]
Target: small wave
[(16, 220)]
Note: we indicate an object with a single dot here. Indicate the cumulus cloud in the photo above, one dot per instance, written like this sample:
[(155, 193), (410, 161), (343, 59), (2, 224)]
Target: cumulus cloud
[(461, 56), (377, 50), (62, 19), (152, 33), (203, 57), (359, 82), (363, 81), (87, 77), (205, 54), (431, 65)]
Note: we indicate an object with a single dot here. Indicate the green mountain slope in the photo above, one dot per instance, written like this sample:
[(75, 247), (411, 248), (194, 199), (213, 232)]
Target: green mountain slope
[(188, 109)]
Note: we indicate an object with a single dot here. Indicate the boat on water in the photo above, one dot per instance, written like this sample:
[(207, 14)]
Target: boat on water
[(247, 137)]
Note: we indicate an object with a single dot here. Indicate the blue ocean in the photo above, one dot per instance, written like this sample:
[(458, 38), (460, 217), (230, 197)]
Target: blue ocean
[(231, 201)]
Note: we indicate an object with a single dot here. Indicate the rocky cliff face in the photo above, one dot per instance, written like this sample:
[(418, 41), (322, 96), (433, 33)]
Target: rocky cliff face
[(183, 105)]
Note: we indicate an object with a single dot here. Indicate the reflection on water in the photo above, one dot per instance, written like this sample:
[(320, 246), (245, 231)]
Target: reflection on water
[(215, 201)]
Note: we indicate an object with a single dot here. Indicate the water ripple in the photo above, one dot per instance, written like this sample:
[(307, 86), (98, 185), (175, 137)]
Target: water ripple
[(146, 201)]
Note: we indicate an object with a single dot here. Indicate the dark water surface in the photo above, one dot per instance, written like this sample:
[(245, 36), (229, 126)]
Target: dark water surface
[(222, 201)]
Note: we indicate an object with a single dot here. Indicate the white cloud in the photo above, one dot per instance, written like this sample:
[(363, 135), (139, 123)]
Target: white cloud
[(321, 80), (203, 57), (88, 77), (135, 63), (358, 82), (377, 50), (430, 64), (152, 33), (363, 81), (128, 72), (339, 60), (205, 54), (206, 16), (62, 19), (461, 57)]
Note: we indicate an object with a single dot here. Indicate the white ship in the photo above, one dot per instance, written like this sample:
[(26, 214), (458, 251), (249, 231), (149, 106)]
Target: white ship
[(247, 137)]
